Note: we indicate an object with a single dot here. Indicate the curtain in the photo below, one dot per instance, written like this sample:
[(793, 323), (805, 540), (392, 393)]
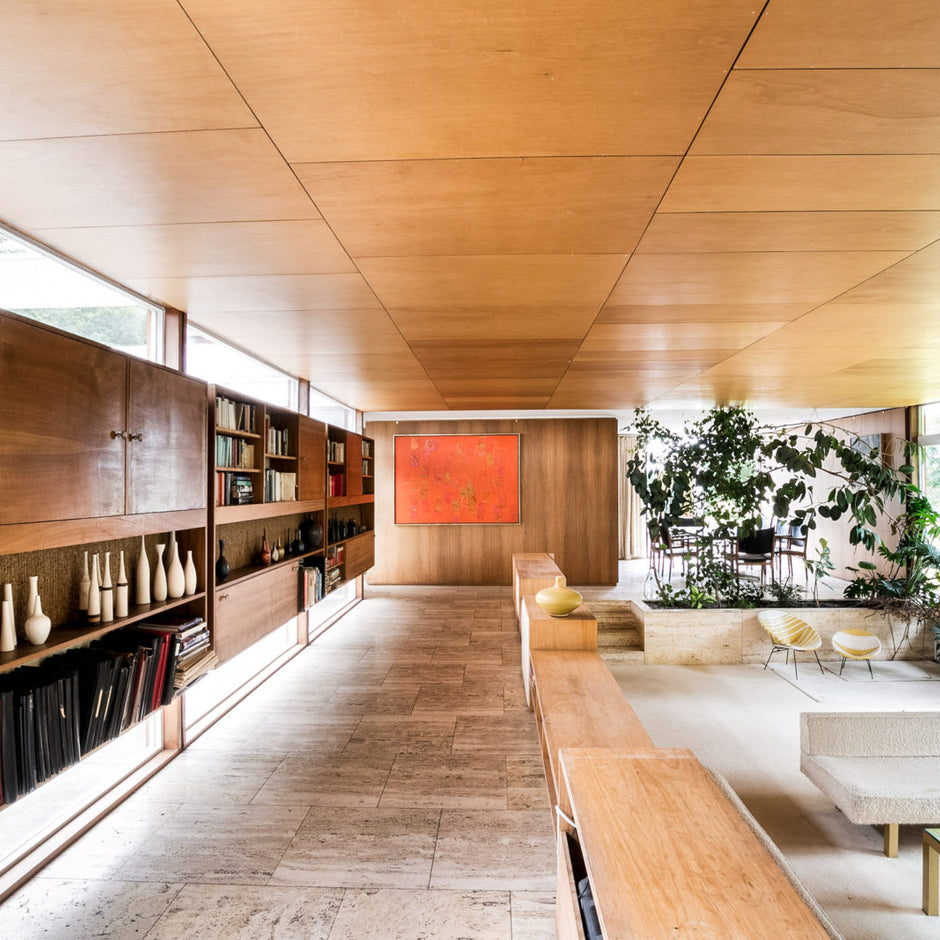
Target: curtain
[(632, 528)]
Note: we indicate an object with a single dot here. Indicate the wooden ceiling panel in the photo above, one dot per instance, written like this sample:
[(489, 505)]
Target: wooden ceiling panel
[(338, 80), (593, 392), (497, 359), (825, 111), (212, 249), (504, 389), (850, 34), (590, 205), (148, 179), (78, 69), (746, 277), (535, 280), (699, 313), (805, 184), (461, 324), (675, 336), (210, 299), (689, 232)]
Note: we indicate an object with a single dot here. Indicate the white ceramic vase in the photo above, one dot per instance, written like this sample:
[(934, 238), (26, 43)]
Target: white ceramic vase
[(120, 590), (33, 594), (159, 575), (37, 625), (107, 591), (175, 576), (94, 593), (189, 573), (7, 628), (83, 586), (142, 582)]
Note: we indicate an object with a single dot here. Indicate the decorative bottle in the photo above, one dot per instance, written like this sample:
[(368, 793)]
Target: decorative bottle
[(189, 575), (142, 581), (265, 548), (37, 625), (94, 593), (222, 568), (175, 576), (7, 627), (33, 594), (159, 575), (107, 591), (298, 543), (83, 585), (120, 591), (276, 551)]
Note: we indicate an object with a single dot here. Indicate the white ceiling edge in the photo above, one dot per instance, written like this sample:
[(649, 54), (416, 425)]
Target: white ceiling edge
[(671, 417)]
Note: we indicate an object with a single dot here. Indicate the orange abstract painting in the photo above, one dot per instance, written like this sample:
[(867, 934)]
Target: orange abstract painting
[(454, 479)]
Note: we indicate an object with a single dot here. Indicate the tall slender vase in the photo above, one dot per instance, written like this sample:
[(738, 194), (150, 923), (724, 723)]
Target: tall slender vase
[(7, 627), (222, 567), (8, 596), (107, 591), (83, 585), (159, 575), (142, 581), (120, 590), (175, 576), (94, 593), (33, 594), (189, 575)]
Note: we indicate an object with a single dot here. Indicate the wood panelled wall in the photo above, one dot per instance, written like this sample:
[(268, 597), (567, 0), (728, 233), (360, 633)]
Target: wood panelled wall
[(569, 507)]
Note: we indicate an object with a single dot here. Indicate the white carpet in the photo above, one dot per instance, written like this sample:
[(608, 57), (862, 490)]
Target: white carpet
[(831, 688)]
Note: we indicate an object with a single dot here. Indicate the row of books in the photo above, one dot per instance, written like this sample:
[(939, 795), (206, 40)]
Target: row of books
[(233, 489), (367, 468), (53, 714), (234, 452), (312, 585), (234, 415), (195, 657), (366, 448), (337, 484), (336, 451), (279, 486), (277, 441)]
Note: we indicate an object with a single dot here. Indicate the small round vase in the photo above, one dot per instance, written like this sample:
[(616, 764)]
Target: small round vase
[(37, 625), (559, 600)]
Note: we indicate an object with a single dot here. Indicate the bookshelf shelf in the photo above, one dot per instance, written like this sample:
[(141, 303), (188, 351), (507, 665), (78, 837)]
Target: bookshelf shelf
[(72, 634), (232, 432)]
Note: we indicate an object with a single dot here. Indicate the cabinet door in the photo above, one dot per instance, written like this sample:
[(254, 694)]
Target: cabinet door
[(360, 555), (311, 459), (251, 609), (166, 469), (61, 400), (353, 465)]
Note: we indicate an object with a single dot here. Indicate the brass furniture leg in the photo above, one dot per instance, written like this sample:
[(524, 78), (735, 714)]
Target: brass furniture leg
[(932, 872), (891, 840)]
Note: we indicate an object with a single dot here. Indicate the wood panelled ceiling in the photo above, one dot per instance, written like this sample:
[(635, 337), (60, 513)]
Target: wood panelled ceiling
[(503, 205)]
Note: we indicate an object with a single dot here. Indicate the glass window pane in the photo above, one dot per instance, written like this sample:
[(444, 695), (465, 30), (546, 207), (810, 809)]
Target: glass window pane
[(330, 411), (36, 283), (931, 474), (215, 361), (931, 417)]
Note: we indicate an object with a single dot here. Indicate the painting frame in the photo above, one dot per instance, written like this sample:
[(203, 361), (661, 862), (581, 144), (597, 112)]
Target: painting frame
[(457, 479)]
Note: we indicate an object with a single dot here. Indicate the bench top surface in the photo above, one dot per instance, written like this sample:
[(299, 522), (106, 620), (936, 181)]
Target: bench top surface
[(581, 703), (535, 565), (669, 856), (535, 612)]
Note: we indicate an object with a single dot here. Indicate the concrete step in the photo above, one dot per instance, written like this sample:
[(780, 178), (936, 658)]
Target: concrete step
[(617, 627), (628, 657)]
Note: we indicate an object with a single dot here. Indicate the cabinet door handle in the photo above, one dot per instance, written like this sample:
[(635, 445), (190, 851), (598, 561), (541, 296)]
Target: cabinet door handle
[(223, 597), (136, 437), (120, 434)]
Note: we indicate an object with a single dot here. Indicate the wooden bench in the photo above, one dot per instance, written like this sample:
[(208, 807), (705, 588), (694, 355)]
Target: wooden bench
[(578, 703), (668, 854), (532, 571), (541, 631)]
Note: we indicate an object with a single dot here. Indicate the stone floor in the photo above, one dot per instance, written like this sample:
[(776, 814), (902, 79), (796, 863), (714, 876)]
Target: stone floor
[(386, 783)]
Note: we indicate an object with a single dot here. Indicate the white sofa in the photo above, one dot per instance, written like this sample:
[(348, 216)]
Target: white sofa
[(879, 768)]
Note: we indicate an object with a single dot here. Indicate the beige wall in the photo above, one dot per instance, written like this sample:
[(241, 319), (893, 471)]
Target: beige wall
[(569, 507)]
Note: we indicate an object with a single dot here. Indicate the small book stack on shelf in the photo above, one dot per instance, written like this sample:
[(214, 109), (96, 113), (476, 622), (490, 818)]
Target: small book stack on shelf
[(279, 487), (233, 489), (234, 452), (278, 441), (194, 658)]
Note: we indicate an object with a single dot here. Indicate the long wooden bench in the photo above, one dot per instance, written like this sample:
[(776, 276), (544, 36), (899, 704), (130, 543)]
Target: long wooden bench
[(578, 703), (532, 571), (668, 854)]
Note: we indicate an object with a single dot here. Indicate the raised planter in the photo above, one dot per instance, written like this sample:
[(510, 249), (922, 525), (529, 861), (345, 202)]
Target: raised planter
[(726, 636)]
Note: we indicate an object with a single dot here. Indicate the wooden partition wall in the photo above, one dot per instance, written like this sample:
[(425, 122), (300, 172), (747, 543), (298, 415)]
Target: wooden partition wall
[(568, 498)]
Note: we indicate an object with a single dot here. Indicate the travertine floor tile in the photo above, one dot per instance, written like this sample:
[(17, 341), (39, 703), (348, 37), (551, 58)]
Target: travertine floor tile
[(464, 780), (483, 851), (402, 734), (458, 700), (309, 780), (208, 777), (53, 908), (533, 915), (221, 845), (366, 849), (212, 912), (423, 915), (513, 734)]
